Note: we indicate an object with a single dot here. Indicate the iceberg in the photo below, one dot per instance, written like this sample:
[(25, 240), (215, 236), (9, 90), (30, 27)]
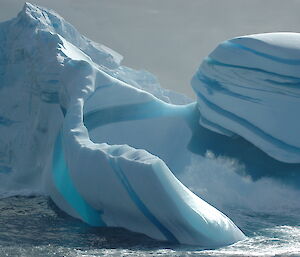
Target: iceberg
[(98, 137), (249, 86)]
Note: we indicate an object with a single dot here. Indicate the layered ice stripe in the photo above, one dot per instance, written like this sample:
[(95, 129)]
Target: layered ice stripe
[(250, 86), (66, 188)]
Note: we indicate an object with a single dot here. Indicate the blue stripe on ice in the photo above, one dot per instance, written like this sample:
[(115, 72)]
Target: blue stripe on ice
[(231, 44), (214, 85), (137, 111), (211, 61), (216, 127), (127, 112), (5, 169), (286, 84), (248, 125), (5, 121), (65, 186), (139, 203)]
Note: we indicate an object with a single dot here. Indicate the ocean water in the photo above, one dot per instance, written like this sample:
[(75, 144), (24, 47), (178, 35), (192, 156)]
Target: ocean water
[(267, 210), (33, 226)]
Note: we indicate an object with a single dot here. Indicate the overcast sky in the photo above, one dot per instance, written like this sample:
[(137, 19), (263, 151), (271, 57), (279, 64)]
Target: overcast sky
[(168, 37)]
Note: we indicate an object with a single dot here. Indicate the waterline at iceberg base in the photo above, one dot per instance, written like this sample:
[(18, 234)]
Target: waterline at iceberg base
[(112, 148)]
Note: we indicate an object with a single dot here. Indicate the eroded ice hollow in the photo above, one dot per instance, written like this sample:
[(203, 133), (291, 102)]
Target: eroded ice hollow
[(141, 121)]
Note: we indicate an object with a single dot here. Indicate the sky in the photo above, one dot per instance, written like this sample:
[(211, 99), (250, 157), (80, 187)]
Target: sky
[(169, 38)]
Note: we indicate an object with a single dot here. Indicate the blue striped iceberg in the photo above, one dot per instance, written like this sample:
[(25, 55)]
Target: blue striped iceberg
[(119, 185), (250, 86), (99, 138)]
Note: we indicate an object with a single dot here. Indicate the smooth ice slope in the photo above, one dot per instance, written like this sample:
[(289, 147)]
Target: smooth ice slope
[(58, 91), (250, 86)]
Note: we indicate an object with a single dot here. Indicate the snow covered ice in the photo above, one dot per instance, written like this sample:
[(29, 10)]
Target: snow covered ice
[(105, 141)]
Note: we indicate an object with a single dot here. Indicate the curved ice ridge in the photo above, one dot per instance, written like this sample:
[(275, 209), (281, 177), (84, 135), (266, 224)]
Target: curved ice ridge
[(129, 187), (69, 125), (250, 86)]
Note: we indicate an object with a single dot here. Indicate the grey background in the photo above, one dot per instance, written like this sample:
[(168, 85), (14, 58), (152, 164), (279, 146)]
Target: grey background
[(168, 37)]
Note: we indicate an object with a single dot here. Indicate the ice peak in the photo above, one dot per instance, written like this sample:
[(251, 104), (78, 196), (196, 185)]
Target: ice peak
[(34, 18), (34, 15), (30, 7)]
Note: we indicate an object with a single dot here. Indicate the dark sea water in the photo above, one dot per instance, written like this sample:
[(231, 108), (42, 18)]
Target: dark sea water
[(33, 226)]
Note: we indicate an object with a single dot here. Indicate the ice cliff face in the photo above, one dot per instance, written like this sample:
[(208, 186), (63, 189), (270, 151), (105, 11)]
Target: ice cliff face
[(250, 86), (75, 119)]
